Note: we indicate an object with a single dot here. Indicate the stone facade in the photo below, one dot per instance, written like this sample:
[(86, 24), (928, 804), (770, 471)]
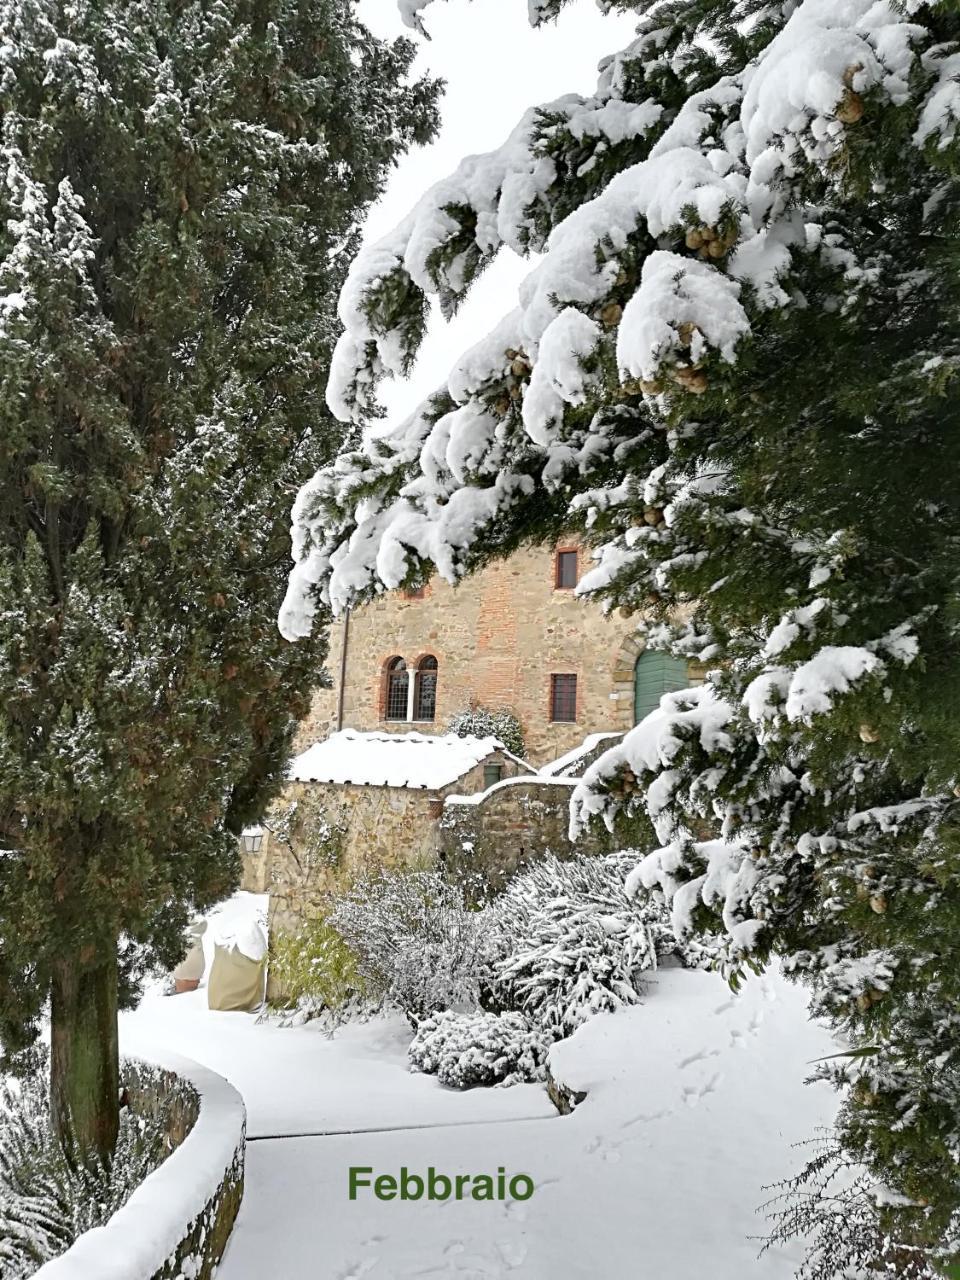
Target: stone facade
[(497, 638)]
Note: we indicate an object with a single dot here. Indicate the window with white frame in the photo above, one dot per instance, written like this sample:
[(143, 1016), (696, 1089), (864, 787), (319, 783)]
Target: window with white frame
[(410, 695), (398, 684), (425, 689)]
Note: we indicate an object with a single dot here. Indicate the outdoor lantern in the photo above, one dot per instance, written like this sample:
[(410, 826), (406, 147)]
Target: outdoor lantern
[(252, 839)]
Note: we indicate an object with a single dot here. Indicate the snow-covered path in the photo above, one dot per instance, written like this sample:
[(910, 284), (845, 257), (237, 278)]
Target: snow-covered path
[(693, 1101)]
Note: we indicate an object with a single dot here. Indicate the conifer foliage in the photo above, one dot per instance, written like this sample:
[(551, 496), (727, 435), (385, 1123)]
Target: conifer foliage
[(735, 368), (180, 191)]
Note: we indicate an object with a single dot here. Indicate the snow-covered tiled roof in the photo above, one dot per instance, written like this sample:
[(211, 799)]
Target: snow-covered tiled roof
[(414, 760)]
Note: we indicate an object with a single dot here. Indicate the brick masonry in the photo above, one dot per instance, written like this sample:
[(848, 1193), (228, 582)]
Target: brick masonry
[(498, 637)]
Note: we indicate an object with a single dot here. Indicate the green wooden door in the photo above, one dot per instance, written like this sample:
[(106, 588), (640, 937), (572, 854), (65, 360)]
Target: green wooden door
[(654, 675)]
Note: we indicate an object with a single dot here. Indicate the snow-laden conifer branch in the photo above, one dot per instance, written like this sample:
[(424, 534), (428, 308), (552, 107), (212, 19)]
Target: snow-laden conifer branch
[(670, 227)]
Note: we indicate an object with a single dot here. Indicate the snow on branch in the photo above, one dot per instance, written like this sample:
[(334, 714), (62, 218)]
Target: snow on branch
[(668, 233)]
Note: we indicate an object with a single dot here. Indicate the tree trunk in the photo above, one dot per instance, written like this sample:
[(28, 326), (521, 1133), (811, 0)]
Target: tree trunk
[(85, 1058)]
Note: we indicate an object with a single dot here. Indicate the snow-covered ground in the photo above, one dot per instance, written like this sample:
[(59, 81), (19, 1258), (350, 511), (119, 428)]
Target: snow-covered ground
[(693, 1101)]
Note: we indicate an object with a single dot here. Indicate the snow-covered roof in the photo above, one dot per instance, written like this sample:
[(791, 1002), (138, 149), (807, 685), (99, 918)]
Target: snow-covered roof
[(566, 764), (414, 760)]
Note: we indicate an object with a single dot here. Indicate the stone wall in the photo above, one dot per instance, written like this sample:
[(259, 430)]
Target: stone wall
[(497, 637), (386, 826), (512, 824), (381, 826), (255, 868), (177, 1222)]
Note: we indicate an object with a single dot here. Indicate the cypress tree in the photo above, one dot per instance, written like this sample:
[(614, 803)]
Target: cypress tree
[(735, 370), (180, 196)]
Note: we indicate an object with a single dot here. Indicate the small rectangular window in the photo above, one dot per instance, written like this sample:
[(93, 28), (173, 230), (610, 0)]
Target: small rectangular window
[(566, 570), (563, 698), (491, 773)]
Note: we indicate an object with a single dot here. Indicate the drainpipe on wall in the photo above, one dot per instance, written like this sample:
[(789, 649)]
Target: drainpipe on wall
[(343, 668)]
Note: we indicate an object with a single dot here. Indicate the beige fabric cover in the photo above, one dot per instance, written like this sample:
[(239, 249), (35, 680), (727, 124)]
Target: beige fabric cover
[(191, 967), (236, 981)]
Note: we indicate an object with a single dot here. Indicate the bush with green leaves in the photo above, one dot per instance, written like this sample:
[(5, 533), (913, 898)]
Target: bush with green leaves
[(467, 1049), (479, 722), (48, 1199), (314, 969)]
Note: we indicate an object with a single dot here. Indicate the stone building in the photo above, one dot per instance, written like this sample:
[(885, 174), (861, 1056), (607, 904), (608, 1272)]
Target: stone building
[(356, 801), (513, 635), (376, 780)]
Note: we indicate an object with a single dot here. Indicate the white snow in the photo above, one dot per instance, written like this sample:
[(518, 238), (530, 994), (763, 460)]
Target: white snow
[(521, 780), (694, 1099), (675, 292), (141, 1236), (414, 760), (833, 670), (295, 1080), (567, 763)]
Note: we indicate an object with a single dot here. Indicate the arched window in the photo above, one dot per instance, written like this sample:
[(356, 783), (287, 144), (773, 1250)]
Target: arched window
[(398, 679), (654, 675), (425, 689)]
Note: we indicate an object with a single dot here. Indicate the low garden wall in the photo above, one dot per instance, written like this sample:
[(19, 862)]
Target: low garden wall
[(496, 832), (176, 1224)]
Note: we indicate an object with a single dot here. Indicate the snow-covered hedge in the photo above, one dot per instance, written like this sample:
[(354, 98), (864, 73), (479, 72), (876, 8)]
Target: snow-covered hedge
[(571, 942), (468, 1049), (177, 1222), (417, 944), (480, 722)]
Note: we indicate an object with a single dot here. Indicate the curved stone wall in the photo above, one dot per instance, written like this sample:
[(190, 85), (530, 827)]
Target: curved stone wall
[(176, 1224)]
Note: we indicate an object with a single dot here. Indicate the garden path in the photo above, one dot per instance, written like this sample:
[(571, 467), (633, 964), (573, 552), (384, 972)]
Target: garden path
[(693, 1101)]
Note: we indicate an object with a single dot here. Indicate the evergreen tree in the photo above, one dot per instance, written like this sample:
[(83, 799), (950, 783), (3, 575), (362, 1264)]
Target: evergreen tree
[(181, 190), (735, 368)]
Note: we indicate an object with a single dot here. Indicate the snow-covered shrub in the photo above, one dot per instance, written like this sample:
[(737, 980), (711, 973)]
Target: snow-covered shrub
[(417, 943), (480, 722), (568, 942), (844, 1218), (46, 1200), (467, 1049), (705, 951), (314, 969)]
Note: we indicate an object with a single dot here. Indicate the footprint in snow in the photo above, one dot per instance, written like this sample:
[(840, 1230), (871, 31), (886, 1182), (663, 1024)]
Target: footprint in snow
[(646, 1118), (700, 1056), (693, 1093), (357, 1270), (515, 1211), (513, 1254)]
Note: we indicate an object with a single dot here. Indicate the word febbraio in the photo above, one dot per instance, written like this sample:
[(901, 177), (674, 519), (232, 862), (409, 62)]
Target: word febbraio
[(440, 1186)]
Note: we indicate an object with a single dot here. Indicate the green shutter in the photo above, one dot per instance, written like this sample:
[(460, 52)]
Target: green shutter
[(655, 674)]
